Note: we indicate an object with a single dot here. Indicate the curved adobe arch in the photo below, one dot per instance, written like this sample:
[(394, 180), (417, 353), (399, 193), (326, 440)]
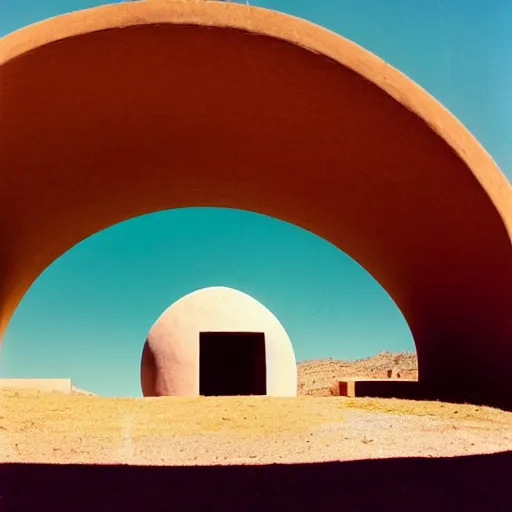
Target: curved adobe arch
[(126, 109)]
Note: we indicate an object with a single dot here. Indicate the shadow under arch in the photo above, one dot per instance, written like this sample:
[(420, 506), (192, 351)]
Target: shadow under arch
[(478, 482), (122, 110)]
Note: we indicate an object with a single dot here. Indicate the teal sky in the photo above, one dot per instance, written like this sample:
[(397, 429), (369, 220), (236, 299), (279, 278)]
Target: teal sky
[(87, 316)]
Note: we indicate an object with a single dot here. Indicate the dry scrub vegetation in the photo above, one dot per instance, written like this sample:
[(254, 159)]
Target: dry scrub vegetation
[(51, 412), (39, 426)]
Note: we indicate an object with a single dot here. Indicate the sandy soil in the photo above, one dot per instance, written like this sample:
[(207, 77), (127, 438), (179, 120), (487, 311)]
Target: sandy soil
[(49, 427), (250, 454)]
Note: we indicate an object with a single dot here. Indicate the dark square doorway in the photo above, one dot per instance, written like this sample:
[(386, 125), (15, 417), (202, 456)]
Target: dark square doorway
[(232, 363)]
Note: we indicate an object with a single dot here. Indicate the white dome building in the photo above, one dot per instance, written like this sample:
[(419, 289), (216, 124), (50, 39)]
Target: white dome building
[(218, 341)]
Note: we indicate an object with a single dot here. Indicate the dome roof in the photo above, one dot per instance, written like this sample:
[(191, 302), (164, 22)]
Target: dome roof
[(170, 361), (218, 308)]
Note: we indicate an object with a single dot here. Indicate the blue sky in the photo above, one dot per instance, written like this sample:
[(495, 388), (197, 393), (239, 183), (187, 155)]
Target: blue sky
[(86, 317)]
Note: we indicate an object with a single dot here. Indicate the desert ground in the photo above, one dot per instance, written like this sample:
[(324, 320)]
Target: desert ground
[(314, 434), (38, 426), (49, 427)]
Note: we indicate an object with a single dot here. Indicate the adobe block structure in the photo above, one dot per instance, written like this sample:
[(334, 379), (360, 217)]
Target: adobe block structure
[(52, 385), (218, 341), (122, 110)]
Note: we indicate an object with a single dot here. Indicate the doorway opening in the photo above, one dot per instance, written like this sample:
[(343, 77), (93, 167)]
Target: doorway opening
[(232, 363)]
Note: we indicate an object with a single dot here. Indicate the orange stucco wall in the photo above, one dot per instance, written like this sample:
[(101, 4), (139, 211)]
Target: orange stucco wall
[(185, 106)]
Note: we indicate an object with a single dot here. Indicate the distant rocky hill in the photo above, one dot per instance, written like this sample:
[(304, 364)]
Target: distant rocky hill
[(318, 377)]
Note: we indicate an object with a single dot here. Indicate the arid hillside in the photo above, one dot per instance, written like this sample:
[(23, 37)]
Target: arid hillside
[(317, 378)]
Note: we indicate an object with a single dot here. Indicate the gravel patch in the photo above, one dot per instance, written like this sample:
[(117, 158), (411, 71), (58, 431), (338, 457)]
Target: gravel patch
[(363, 435)]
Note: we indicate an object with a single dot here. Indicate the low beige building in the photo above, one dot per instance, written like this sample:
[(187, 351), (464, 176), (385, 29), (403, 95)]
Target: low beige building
[(218, 341), (60, 385)]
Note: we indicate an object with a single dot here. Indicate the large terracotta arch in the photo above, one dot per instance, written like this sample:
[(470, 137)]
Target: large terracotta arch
[(121, 110)]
